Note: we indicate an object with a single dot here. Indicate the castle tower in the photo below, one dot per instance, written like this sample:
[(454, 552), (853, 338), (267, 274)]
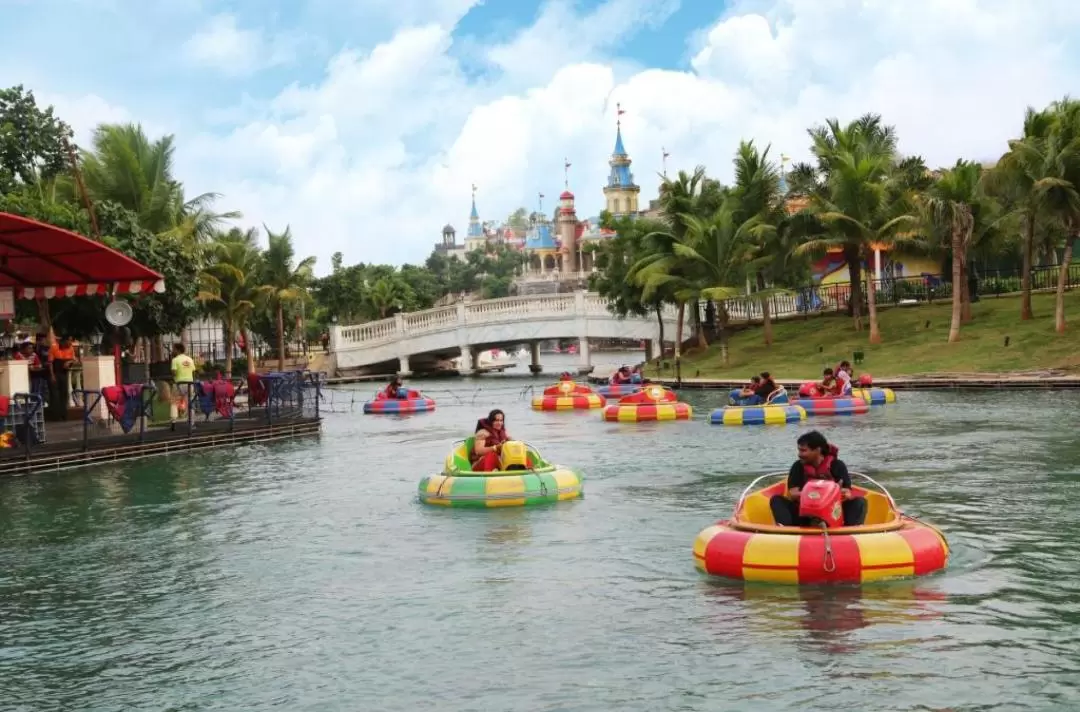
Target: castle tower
[(449, 237), (567, 231), (620, 193), (474, 237)]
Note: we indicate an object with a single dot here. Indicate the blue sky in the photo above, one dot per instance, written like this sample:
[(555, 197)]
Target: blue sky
[(362, 123)]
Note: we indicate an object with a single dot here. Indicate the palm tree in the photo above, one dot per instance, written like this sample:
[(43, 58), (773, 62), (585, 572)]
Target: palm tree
[(126, 167), (1064, 198), (760, 208), (950, 202), (285, 281), (1026, 177), (230, 287), (854, 200)]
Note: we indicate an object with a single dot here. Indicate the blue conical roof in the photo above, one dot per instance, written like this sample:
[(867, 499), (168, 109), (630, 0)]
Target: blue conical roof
[(619, 150)]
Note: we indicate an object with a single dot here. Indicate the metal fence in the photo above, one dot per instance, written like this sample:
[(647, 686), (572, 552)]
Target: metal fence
[(889, 291)]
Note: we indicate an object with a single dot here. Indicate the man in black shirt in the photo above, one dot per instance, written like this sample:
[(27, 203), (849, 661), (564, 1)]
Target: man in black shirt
[(817, 460)]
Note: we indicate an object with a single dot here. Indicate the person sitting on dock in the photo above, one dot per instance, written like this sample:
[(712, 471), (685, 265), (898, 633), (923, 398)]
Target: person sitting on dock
[(487, 441), (395, 390), (818, 459)]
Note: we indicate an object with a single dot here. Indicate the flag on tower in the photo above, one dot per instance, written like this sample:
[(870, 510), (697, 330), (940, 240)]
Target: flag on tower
[(566, 163), (619, 110)]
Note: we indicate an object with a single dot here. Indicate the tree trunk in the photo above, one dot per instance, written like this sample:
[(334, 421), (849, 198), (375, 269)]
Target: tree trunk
[(1063, 278), (957, 284), (281, 336), (1025, 278), (871, 308), (660, 321), (45, 318), (766, 313), (722, 335), (249, 351), (965, 294), (702, 341), (854, 262), (679, 330), (230, 329)]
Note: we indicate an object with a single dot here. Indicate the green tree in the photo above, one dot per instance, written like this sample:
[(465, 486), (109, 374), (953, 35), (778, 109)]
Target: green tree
[(286, 281), (230, 289), (32, 141)]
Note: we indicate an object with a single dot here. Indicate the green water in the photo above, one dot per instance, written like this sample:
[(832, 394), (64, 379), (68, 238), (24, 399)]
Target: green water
[(305, 576)]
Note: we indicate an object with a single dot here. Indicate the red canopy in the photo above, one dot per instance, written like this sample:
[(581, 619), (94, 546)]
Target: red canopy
[(43, 261)]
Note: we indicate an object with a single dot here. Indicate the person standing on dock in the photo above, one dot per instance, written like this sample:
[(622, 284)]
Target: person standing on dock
[(183, 372)]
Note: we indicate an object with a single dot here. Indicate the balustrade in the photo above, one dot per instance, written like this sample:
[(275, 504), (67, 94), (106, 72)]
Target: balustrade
[(488, 311)]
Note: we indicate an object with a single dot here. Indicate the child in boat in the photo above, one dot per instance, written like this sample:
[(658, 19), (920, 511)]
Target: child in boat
[(748, 394), (818, 459), (621, 376), (829, 385)]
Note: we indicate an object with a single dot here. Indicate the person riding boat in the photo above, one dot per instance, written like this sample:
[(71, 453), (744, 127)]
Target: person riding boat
[(768, 385), (818, 459), (621, 376), (395, 390), (488, 440), (565, 376), (748, 394), (829, 385), (844, 377)]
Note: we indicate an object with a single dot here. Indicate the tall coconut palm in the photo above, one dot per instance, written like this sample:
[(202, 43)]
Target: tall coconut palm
[(1026, 177), (950, 202), (759, 209), (855, 200), (1064, 198), (286, 281), (126, 167), (231, 287)]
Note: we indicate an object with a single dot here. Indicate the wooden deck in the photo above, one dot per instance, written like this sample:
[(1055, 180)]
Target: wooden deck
[(67, 449)]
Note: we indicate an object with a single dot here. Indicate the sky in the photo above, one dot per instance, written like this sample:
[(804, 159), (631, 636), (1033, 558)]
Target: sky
[(363, 124)]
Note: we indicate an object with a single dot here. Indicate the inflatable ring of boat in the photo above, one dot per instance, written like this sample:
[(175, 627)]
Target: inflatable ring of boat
[(415, 403), (577, 401), (618, 390), (458, 486), (652, 403), (875, 396), (757, 415), (567, 388), (750, 546), (834, 406)]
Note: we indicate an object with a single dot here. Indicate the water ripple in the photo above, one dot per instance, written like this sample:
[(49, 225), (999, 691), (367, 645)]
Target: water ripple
[(305, 576)]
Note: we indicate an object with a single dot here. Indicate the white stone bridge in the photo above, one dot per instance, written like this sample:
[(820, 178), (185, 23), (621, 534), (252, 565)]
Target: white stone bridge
[(467, 328)]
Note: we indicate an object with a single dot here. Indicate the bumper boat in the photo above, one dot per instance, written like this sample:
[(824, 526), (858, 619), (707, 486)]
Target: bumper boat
[(875, 396), (618, 390), (757, 415), (567, 395), (812, 400), (541, 483), (653, 402), (888, 545), (412, 402)]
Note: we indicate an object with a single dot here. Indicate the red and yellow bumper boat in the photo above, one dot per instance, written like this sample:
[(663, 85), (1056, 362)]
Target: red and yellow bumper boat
[(567, 395), (653, 402), (752, 547)]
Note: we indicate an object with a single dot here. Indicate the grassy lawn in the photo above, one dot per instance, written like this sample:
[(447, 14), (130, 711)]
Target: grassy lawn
[(913, 342)]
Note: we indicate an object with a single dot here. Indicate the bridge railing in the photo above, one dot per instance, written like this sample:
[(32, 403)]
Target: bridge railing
[(575, 305)]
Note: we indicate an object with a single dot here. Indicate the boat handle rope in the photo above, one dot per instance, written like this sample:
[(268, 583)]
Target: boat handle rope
[(830, 561)]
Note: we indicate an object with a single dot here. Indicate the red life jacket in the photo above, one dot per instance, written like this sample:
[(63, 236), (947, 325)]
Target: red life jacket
[(495, 437), (822, 471), (831, 386)]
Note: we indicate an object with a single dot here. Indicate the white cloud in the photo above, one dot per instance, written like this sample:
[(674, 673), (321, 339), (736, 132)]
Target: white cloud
[(223, 45), (375, 158)]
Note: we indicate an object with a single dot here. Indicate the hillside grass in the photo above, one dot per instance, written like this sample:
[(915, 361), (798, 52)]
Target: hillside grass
[(914, 342)]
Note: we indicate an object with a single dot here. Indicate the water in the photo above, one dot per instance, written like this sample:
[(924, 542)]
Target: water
[(305, 576)]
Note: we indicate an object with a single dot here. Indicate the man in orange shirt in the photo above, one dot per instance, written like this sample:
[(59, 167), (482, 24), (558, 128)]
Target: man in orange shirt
[(61, 357)]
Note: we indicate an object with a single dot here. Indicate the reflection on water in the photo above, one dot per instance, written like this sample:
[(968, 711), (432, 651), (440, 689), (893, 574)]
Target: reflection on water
[(305, 576)]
